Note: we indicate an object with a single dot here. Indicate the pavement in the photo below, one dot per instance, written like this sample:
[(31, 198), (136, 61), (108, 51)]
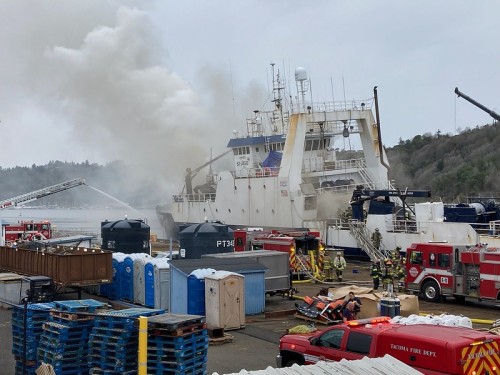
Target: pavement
[(255, 346)]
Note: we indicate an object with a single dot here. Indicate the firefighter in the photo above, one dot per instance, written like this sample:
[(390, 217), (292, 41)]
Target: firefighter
[(399, 274), (340, 265), (327, 268), (376, 239), (376, 274), (387, 274)]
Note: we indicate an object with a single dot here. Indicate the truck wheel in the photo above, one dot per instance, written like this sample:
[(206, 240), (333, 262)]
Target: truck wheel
[(293, 362), (431, 292)]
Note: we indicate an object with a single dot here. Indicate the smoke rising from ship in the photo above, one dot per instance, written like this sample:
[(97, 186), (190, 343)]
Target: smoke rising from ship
[(109, 90)]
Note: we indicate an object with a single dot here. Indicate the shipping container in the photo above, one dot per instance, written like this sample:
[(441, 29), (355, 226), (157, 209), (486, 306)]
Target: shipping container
[(67, 266)]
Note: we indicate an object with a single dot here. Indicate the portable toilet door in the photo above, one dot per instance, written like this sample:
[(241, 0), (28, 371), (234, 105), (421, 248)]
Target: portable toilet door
[(139, 288), (196, 291), (128, 279), (149, 284), (162, 284), (115, 289), (225, 300)]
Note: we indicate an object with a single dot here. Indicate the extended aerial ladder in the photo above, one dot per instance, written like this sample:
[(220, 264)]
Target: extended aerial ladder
[(37, 194), (479, 105)]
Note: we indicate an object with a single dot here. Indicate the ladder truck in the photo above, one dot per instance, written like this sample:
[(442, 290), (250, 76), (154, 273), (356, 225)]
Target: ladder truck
[(30, 230), (37, 194)]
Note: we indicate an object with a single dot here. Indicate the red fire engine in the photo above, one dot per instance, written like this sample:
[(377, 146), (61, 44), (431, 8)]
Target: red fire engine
[(305, 249), (28, 230), (440, 270)]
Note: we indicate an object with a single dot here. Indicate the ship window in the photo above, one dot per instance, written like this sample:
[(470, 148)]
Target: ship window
[(315, 144), (235, 151), (256, 149), (308, 145), (29, 227), (310, 203)]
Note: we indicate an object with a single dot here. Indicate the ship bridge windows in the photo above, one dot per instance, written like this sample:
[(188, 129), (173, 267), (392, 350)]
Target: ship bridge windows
[(245, 150), (275, 147), (315, 144)]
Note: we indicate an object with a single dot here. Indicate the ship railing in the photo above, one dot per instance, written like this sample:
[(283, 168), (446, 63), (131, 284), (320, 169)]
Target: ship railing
[(357, 105), (344, 164), (258, 172), (179, 198), (332, 127), (363, 237)]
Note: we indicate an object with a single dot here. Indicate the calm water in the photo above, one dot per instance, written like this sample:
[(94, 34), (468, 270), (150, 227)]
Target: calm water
[(84, 219)]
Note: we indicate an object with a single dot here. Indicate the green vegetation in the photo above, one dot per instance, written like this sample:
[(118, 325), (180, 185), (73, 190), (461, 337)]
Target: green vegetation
[(115, 179), (452, 167)]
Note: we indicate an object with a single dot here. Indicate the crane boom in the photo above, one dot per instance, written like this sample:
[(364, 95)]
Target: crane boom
[(37, 194), (479, 105)]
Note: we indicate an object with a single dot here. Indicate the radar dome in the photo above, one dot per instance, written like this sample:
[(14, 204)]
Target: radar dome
[(300, 74)]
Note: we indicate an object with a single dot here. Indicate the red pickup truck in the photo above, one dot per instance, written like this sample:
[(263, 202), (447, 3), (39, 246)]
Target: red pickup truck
[(430, 349)]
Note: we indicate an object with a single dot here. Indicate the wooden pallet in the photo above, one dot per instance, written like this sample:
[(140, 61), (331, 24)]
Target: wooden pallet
[(221, 340), (325, 322)]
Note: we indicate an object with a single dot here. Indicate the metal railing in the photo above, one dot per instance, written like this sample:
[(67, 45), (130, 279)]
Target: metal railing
[(363, 238)]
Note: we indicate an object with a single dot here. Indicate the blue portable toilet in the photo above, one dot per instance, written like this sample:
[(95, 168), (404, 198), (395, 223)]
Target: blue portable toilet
[(113, 290), (196, 291)]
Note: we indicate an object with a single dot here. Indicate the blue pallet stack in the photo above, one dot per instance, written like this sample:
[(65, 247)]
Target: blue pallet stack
[(114, 341), (37, 315), (64, 340), (177, 345)]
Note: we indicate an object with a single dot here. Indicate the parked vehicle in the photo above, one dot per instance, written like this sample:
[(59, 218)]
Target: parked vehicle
[(304, 248), (440, 350), (437, 270)]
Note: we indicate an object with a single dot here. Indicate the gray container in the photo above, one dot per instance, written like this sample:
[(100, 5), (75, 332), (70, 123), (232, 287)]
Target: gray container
[(162, 284), (277, 278), (12, 289)]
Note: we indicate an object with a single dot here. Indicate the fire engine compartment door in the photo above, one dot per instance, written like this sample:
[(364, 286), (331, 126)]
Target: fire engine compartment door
[(481, 358), (459, 285)]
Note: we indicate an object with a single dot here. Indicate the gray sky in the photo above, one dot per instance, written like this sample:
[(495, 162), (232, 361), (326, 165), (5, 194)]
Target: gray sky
[(160, 82)]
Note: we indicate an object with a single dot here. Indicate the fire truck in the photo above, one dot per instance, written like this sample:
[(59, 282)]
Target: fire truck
[(437, 270), (28, 231), (306, 250)]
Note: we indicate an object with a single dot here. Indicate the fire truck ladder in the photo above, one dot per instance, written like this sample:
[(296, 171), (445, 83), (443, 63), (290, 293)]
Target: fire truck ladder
[(363, 237), (37, 194)]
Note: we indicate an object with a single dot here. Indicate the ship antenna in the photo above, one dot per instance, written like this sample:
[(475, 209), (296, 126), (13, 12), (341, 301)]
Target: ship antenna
[(277, 100)]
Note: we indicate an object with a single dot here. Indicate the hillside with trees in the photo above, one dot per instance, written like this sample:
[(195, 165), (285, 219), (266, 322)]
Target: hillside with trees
[(452, 167)]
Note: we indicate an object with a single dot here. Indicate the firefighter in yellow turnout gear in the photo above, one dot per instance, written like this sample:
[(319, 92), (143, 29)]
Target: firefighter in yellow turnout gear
[(327, 268), (376, 274)]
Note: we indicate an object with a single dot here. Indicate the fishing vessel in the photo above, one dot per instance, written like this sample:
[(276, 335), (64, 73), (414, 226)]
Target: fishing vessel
[(289, 171)]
